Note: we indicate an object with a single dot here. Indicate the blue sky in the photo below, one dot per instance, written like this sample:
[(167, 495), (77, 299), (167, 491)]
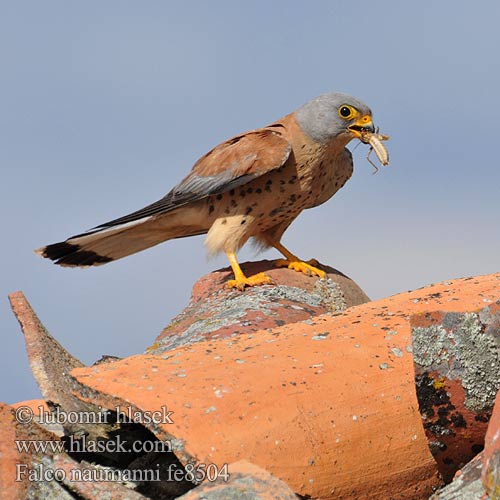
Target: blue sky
[(104, 106)]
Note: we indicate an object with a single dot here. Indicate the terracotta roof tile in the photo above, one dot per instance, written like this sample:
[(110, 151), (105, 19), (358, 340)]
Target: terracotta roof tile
[(326, 404)]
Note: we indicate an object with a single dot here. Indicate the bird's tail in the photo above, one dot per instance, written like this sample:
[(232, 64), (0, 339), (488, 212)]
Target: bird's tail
[(105, 244)]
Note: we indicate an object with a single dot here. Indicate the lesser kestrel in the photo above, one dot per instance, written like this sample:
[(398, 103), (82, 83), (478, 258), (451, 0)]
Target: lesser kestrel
[(251, 186)]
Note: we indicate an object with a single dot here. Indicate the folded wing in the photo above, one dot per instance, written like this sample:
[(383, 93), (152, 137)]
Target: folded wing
[(227, 166)]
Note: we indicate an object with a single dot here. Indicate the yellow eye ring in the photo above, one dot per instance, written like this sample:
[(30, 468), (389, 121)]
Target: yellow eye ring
[(347, 112)]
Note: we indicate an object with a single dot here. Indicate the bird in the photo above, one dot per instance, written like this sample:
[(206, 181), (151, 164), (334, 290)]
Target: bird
[(253, 185)]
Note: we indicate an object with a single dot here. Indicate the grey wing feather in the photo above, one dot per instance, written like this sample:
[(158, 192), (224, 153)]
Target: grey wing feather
[(196, 187)]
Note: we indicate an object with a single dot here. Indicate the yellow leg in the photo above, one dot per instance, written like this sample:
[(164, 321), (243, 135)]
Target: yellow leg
[(293, 262), (240, 280)]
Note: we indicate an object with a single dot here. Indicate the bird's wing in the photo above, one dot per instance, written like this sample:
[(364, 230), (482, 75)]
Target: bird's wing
[(227, 166)]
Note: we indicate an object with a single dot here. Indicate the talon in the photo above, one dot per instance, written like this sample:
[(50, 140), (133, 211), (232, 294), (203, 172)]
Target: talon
[(255, 280), (302, 267)]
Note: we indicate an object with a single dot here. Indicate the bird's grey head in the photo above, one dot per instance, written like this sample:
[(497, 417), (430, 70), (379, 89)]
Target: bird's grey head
[(330, 115)]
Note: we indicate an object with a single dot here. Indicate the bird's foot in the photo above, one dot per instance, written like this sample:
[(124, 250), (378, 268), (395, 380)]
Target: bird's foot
[(255, 280), (308, 267)]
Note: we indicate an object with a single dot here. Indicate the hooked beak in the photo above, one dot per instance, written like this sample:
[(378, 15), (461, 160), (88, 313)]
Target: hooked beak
[(362, 124)]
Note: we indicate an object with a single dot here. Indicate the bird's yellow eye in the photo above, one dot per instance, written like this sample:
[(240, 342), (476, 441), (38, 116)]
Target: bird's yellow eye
[(347, 112)]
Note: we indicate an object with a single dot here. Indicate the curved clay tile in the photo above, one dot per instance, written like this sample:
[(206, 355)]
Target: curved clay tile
[(327, 404), (216, 312)]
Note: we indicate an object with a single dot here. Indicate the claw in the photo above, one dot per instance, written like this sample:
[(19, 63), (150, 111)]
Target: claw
[(255, 280), (302, 267)]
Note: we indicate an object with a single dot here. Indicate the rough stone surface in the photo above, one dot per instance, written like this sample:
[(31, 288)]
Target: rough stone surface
[(51, 365), (461, 349), (465, 486), (326, 403), (246, 482), (329, 373), (218, 312), (491, 454), (35, 481), (39, 408), (371, 342), (80, 418), (96, 485), (9, 456), (457, 367)]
